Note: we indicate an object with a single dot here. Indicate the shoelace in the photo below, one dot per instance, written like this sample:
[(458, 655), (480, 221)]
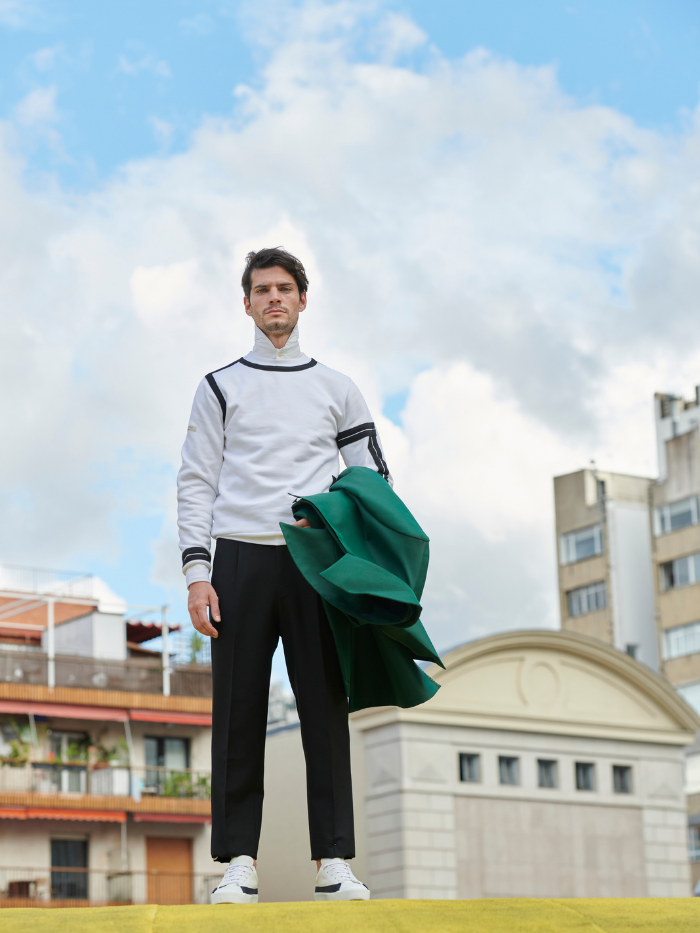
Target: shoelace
[(235, 874), (340, 871)]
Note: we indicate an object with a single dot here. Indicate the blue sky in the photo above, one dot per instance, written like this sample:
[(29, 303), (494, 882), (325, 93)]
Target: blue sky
[(88, 87), (134, 78)]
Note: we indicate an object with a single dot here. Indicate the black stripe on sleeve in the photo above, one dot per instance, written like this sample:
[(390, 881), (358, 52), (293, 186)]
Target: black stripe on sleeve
[(376, 452), (195, 553), (355, 434), (217, 392)]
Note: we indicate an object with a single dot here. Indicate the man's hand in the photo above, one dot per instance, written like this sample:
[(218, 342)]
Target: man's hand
[(302, 523), (203, 596)]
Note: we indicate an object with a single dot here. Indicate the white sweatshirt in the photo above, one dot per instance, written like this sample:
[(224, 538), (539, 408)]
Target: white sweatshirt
[(263, 431)]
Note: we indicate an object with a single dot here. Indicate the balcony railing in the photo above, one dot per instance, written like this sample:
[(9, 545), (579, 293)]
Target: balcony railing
[(81, 887), (75, 778), (31, 667)]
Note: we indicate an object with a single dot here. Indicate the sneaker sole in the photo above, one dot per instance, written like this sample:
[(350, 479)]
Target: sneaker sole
[(343, 896), (234, 898)]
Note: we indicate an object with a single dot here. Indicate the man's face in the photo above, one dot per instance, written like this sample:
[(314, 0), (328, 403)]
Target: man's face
[(275, 302)]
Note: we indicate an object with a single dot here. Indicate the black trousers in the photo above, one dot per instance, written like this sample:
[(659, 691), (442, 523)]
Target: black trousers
[(262, 597)]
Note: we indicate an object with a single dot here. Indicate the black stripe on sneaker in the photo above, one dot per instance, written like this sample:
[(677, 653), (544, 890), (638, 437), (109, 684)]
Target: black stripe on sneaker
[(328, 889), (249, 890)]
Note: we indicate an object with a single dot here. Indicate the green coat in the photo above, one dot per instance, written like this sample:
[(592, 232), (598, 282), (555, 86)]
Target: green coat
[(367, 557)]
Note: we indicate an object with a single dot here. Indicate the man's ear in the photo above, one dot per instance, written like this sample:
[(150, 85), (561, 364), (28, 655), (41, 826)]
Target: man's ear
[(302, 301), (246, 305)]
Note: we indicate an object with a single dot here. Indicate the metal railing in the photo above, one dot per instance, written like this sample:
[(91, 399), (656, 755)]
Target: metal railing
[(60, 886), (40, 777), (134, 675)]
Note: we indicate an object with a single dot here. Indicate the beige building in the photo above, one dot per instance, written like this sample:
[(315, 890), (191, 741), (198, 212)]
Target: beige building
[(548, 765)]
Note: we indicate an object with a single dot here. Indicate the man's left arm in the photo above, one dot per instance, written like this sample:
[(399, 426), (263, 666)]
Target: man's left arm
[(358, 440)]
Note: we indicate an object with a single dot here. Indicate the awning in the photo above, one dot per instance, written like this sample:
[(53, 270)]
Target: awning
[(138, 632), (171, 818), (65, 711), (179, 719), (54, 813)]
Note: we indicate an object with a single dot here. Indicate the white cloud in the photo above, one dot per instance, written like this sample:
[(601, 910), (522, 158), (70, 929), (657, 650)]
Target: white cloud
[(151, 63), (525, 268), (38, 108), (17, 13)]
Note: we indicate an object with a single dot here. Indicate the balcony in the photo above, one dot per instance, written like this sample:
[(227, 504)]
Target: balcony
[(134, 675), (82, 887), (120, 781)]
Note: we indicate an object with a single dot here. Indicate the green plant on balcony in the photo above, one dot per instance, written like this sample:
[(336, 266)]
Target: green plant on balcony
[(196, 645), (202, 787), (108, 754), (177, 784)]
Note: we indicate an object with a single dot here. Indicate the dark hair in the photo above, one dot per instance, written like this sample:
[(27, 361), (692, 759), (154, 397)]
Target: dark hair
[(274, 256)]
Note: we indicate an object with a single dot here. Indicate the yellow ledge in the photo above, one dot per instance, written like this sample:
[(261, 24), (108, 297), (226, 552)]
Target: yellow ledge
[(513, 915)]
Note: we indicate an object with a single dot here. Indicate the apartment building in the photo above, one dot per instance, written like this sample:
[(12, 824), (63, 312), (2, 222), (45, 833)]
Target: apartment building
[(604, 546), (104, 750), (629, 564)]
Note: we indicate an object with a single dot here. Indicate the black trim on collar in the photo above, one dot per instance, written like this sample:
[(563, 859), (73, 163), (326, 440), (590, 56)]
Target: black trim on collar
[(217, 391), (225, 367), (278, 369)]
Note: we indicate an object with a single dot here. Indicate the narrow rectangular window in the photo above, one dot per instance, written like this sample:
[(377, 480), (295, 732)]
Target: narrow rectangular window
[(684, 571), (587, 599), (469, 768), (676, 515), (622, 779), (508, 770), (546, 773), (694, 843), (579, 545), (681, 640), (585, 776)]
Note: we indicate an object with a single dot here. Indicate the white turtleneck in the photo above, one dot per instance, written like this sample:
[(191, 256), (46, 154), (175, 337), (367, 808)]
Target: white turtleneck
[(263, 431)]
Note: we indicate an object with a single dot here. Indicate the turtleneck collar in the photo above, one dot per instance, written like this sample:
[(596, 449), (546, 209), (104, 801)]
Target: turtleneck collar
[(265, 352)]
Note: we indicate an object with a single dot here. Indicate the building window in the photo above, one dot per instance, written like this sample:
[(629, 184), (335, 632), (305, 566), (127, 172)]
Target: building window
[(683, 571), (586, 599), (676, 515), (585, 776), (681, 641), (167, 761), (622, 779), (70, 854), (694, 843), (469, 768), (578, 545), (546, 773), (508, 770)]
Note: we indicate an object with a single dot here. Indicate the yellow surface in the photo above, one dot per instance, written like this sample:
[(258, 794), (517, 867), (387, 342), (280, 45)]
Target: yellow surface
[(512, 915)]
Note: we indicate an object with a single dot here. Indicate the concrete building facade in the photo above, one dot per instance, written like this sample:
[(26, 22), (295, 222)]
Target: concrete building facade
[(548, 765)]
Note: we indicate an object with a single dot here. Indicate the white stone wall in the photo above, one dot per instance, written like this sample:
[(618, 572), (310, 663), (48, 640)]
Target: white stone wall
[(431, 835)]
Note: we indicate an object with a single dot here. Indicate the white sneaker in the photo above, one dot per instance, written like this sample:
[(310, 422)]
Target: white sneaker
[(336, 882), (239, 884)]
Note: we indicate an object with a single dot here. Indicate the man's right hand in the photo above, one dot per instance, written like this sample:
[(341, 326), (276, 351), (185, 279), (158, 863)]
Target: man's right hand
[(202, 597)]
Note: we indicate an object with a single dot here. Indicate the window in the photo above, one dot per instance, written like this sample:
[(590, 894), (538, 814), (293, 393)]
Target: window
[(166, 759), (585, 776), (69, 885), (676, 515), (681, 640), (622, 779), (694, 843), (546, 773), (469, 768), (680, 572), (586, 599), (508, 770), (578, 545)]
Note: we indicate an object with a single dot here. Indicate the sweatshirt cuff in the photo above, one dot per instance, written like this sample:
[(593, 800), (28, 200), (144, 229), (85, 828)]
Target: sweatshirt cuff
[(197, 573)]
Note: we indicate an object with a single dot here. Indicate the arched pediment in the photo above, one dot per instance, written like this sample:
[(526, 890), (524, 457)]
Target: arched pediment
[(558, 680)]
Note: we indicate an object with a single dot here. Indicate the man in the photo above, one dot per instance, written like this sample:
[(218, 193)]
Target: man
[(264, 430)]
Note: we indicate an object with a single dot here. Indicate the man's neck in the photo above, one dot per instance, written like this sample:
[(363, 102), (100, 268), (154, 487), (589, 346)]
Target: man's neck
[(278, 340)]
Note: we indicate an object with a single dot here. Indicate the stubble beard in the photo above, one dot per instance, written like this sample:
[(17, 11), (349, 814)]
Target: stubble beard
[(277, 327)]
